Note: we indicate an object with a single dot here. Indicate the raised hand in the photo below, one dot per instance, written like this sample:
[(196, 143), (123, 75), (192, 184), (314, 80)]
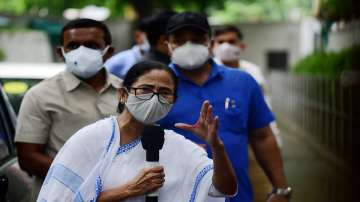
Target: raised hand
[(205, 127)]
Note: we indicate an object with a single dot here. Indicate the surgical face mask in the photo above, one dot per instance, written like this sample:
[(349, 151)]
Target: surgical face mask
[(227, 52), (190, 55), (84, 62), (145, 46), (147, 111)]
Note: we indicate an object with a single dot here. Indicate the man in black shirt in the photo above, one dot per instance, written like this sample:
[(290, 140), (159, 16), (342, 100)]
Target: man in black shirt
[(156, 33)]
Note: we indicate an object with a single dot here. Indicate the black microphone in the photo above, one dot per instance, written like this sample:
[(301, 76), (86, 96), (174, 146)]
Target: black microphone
[(152, 140)]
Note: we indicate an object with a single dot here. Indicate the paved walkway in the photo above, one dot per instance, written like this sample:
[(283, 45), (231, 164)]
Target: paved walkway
[(315, 175), (261, 185)]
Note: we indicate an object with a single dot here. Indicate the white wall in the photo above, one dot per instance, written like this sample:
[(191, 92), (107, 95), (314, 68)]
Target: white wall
[(25, 46), (121, 33), (263, 37), (344, 35), (295, 37), (308, 28)]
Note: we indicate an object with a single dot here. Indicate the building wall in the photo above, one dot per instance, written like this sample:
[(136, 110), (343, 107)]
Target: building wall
[(121, 33), (344, 35), (296, 38), (25, 46)]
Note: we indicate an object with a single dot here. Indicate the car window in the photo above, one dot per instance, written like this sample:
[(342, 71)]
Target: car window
[(6, 127), (16, 89), (4, 142)]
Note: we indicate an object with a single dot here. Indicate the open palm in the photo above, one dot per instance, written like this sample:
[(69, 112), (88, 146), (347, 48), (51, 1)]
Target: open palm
[(205, 127)]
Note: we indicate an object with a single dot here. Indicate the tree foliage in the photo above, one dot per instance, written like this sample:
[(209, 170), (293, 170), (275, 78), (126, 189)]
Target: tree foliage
[(2, 55), (259, 11), (224, 10), (141, 7), (329, 63), (335, 10)]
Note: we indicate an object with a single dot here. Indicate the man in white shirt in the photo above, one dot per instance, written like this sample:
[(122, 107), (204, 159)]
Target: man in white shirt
[(56, 108)]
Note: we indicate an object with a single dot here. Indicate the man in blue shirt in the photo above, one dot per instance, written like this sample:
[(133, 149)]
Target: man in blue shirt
[(236, 99), (120, 63)]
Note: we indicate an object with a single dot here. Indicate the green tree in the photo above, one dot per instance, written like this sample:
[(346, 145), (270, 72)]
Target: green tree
[(2, 55), (224, 10), (334, 10), (259, 11), (141, 7)]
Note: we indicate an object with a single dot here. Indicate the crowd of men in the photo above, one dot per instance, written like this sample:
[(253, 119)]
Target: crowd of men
[(208, 65)]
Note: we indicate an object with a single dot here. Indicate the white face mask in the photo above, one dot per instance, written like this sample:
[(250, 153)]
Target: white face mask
[(227, 52), (147, 111), (84, 62), (190, 55)]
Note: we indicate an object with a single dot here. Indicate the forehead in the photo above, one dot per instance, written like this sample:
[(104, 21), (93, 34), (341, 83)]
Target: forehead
[(156, 77), (227, 36), (83, 35)]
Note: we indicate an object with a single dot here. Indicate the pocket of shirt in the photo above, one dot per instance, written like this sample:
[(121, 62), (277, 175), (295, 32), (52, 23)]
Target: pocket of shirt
[(234, 119)]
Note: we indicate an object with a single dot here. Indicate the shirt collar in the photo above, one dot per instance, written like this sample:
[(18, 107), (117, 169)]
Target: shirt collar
[(137, 52), (216, 71), (72, 82), (112, 80), (156, 55)]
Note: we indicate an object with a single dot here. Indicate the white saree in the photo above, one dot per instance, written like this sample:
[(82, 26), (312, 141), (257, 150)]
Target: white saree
[(92, 161)]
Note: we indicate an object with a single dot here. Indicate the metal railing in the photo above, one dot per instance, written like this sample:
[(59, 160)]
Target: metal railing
[(323, 108)]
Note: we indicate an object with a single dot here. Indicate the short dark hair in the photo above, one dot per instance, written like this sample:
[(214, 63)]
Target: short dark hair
[(86, 23), (228, 28), (141, 25), (156, 26), (142, 68)]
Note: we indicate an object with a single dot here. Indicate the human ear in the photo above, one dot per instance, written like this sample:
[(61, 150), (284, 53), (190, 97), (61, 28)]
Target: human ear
[(122, 94)]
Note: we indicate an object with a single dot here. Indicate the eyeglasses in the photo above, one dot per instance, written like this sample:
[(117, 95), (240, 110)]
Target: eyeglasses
[(144, 93)]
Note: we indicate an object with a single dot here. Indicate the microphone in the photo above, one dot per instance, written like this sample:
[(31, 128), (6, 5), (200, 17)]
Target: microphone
[(152, 140)]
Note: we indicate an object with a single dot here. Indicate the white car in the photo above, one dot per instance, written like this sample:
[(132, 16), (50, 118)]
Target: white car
[(17, 78), (36, 71)]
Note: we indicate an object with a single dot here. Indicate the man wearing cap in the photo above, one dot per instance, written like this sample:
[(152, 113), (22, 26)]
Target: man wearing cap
[(236, 98)]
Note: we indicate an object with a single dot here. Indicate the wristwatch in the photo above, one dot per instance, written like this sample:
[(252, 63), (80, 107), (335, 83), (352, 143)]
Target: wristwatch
[(286, 192)]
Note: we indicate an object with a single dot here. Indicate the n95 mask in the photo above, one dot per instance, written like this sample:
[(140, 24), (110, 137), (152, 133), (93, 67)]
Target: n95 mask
[(190, 55), (84, 62), (227, 52)]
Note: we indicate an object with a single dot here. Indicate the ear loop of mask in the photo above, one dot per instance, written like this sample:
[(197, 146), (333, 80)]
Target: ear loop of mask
[(103, 52), (63, 50), (170, 48)]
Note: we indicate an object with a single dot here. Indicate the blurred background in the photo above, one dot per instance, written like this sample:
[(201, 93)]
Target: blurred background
[(308, 50)]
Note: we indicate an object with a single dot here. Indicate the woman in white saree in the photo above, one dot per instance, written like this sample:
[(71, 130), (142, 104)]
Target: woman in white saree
[(105, 162)]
